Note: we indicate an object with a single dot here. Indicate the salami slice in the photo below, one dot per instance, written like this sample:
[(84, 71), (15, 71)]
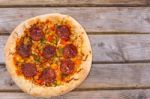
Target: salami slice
[(29, 69), (24, 50), (36, 33), (48, 75), (67, 67), (70, 51), (63, 32), (49, 51)]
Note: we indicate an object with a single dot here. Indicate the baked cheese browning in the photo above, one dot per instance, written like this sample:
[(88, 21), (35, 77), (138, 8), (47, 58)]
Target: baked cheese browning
[(47, 55)]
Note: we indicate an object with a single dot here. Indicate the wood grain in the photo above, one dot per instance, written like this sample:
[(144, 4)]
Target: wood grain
[(105, 94), (94, 19), (102, 76), (112, 48), (71, 2)]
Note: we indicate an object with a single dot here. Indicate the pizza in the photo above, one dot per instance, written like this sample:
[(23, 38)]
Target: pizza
[(48, 55)]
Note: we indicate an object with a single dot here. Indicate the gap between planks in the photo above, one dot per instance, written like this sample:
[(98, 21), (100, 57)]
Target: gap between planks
[(99, 33), (109, 94), (123, 62), (97, 62), (89, 89), (75, 5)]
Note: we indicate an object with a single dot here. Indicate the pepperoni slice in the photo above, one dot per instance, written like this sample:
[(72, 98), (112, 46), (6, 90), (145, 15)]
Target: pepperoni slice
[(36, 33), (48, 75), (29, 70), (24, 50), (49, 51), (63, 32), (70, 51), (67, 67)]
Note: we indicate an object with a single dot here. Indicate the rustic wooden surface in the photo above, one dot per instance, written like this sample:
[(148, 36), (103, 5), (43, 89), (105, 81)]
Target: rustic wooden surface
[(72, 2), (119, 31), (94, 19), (99, 94)]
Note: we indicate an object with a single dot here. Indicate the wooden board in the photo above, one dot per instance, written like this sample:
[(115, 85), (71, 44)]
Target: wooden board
[(102, 76), (105, 94), (119, 34), (112, 48), (94, 19), (71, 3)]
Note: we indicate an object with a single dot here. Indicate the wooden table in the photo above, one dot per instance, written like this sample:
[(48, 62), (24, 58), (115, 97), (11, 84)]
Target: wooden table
[(119, 31)]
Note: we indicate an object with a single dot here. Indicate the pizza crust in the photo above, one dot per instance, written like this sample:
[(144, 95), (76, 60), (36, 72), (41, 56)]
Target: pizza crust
[(27, 85)]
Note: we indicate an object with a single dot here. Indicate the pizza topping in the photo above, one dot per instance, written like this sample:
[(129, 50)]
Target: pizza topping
[(48, 75), (49, 51), (29, 69), (36, 33), (63, 32), (50, 38), (24, 50), (64, 42), (70, 51), (67, 67)]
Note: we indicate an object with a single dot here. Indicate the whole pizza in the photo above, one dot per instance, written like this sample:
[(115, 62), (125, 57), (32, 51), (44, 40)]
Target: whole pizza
[(48, 55)]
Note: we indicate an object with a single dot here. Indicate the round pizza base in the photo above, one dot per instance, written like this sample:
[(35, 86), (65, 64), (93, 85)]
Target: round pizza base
[(27, 85)]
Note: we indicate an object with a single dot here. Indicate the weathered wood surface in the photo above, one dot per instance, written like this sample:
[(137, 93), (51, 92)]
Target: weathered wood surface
[(102, 76), (121, 61), (112, 48), (105, 94), (94, 19), (71, 2)]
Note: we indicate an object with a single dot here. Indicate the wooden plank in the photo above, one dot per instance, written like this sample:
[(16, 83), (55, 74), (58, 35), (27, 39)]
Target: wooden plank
[(102, 76), (120, 48), (112, 48), (94, 19), (100, 94), (71, 3), (3, 40)]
